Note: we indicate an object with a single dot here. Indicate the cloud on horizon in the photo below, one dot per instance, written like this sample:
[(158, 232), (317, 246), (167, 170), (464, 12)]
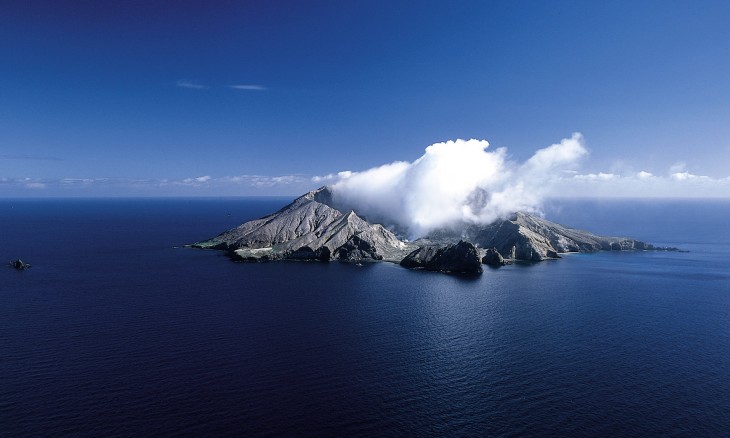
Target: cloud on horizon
[(200, 185), (644, 184), (438, 186)]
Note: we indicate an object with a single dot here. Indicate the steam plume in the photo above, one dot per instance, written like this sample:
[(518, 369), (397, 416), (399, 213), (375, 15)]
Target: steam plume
[(455, 183)]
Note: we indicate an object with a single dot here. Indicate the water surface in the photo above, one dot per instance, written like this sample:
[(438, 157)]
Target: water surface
[(118, 331)]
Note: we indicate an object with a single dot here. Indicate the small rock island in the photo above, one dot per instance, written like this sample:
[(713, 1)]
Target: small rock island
[(313, 228), (19, 265)]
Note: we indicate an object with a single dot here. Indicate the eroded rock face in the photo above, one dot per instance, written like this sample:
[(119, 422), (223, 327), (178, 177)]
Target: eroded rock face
[(493, 258), (357, 250), (322, 254), (461, 257)]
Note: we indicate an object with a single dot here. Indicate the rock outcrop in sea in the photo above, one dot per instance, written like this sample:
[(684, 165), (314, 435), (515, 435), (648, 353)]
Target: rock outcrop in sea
[(459, 258), (312, 228), (19, 265), (492, 257)]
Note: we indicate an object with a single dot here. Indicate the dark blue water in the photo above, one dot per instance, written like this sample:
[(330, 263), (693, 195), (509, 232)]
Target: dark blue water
[(115, 331)]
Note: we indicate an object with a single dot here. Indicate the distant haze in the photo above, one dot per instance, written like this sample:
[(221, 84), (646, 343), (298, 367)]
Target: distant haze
[(266, 98)]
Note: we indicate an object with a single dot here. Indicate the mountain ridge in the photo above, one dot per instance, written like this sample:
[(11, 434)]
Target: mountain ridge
[(307, 222), (312, 228)]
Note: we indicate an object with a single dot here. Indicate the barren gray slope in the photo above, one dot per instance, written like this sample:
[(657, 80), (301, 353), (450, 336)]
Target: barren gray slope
[(301, 217), (534, 238), (339, 232), (306, 222)]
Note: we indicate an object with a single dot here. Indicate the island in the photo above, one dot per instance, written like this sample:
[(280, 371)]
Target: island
[(19, 265), (313, 227)]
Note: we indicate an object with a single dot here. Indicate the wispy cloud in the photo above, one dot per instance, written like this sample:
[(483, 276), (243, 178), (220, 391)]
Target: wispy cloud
[(679, 166), (201, 185), (644, 184), (185, 83), (263, 181), (197, 181), (30, 157), (332, 177), (249, 87), (253, 181), (194, 85)]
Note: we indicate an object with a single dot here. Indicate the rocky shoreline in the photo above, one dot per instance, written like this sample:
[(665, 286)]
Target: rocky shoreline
[(311, 228)]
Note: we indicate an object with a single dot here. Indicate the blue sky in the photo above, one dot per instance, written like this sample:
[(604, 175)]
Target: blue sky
[(142, 98)]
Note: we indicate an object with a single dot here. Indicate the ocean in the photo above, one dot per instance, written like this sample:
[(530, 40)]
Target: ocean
[(118, 330)]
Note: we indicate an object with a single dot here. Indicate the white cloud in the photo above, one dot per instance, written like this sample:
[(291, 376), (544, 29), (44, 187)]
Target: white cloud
[(69, 181), (332, 176), (248, 87), (185, 83), (456, 182), (193, 181), (643, 184), (684, 176), (463, 182), (262, 181), (596, 176)]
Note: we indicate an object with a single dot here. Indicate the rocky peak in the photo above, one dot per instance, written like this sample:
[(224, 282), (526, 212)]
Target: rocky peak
[(322, 195), (308, 224)]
